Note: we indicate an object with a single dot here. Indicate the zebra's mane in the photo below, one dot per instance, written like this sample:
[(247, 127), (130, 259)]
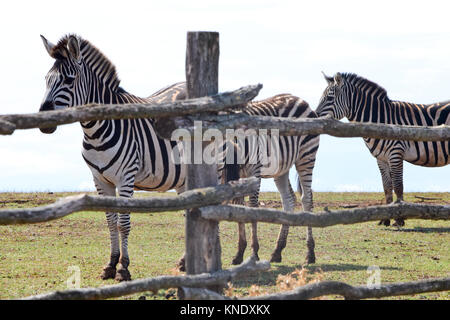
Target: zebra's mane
[(91, 54), (361, 82)]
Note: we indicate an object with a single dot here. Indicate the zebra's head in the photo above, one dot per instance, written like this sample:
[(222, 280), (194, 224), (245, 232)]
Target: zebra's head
[(63, 81), (334, 100)]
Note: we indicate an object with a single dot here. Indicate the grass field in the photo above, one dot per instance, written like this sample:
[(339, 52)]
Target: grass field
[(35, 258)]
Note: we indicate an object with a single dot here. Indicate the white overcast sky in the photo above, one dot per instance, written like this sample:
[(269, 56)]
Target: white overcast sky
[(402, 45)]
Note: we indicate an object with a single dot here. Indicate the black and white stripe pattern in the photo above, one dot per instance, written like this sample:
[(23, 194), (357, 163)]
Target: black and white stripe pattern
[(123, 155), (292, 150), (360, 100)]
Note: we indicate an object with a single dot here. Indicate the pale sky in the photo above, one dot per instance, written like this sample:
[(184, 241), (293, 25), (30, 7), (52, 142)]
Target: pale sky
[(404, 46)]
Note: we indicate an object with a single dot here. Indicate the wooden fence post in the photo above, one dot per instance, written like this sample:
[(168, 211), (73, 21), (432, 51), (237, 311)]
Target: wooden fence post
[(203, 250)]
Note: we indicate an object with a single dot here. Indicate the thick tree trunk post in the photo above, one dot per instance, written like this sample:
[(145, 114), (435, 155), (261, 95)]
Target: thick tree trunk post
[(203, 251)]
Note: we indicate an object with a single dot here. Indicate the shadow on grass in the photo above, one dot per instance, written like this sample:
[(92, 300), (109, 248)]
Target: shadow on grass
[(269, 278), (423, 230), (342, 267)]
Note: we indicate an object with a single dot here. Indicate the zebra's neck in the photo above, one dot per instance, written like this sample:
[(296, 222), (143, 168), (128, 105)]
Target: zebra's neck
[(370, 109), (370, 105), (363, 100), (101, 86), (92, 129)]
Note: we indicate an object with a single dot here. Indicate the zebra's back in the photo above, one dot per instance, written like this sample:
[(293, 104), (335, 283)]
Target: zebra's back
[(176, 91), (423, 153), (290, 148)]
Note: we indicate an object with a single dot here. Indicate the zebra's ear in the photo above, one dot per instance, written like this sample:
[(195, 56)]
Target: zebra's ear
[(338, 79), (327, 78), (73, 46), (48, 45)]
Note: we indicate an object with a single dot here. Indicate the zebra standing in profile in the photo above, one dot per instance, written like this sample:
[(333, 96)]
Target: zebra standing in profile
[(360, 100), (292, 150), (125, 154)]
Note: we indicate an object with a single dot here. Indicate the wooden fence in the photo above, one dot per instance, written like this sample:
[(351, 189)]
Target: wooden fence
[(205, 278)]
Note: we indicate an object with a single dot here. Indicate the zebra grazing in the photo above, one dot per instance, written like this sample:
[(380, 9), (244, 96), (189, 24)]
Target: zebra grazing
[(122, 154), (293, 150), (360, 100)]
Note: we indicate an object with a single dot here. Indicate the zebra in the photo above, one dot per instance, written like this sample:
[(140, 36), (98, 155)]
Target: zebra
[(293, 150), (124, 154), (360, 100)]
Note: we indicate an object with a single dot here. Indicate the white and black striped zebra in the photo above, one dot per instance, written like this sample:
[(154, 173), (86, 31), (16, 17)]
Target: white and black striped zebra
[(122, 154), (360, 100), (291, 150)]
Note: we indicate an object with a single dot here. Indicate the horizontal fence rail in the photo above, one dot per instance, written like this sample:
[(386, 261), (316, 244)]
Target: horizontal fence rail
[(323, 125), (328, 218), (327, 288), (221, 277), (189, 199), (323, 288), (219, 102)]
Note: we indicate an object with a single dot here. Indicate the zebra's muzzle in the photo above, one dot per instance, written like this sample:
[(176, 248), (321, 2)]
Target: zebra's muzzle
[(47, 106), (48, 130)]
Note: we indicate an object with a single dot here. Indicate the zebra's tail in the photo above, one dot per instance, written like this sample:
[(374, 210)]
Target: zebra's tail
[(232, 168), (231, 161), (231, 172)]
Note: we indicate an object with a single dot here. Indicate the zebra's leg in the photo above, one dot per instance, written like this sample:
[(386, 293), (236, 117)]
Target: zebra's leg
[(254, 202), (124, 227), (396, 166), (288, 201), (242, 241), (252, 171), (242, 245), (304, 181), (387, 186), (109, 271), (181, 264)]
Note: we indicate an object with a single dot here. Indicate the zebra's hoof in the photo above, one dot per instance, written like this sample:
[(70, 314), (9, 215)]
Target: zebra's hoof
[(276, 257), (181, 265), (108, 273), (123, 275), (399, 223), (237, 260), (386, 222)]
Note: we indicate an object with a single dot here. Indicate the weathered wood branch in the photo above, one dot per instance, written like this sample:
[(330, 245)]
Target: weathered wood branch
[(330, 218), (218, 102), (189, 199), (154, 284), (326, 288), (325, 125), (6, 127), (427, 198)]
